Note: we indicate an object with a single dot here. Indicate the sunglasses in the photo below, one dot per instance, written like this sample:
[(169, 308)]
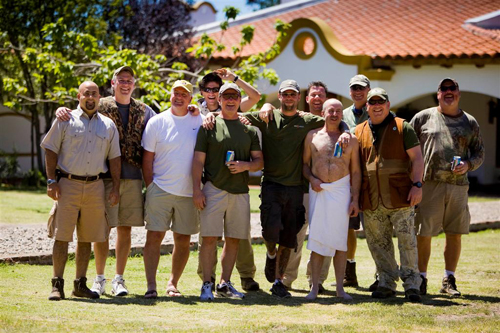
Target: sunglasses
[(289, 95), (125, 82), (211, 90), (234, 97), (376, 101), (357, 87), (448, 88)]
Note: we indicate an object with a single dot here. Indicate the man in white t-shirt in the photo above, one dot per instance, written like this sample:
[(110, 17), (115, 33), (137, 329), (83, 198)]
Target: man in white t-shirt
[(168, 142)]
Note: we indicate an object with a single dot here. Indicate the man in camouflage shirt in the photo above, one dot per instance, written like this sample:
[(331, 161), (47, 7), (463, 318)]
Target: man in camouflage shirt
[(445, 131)]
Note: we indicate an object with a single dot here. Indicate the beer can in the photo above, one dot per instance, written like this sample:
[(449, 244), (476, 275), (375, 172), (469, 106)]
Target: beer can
[(456, 161), (229, 156), (338, 150)]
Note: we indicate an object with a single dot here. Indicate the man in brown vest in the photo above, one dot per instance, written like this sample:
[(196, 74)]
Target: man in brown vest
[(392, 167)]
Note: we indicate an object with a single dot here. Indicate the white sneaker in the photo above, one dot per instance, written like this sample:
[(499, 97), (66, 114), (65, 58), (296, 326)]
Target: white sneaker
[(98, 286), (206, 292), (228, 290), (119, 288)]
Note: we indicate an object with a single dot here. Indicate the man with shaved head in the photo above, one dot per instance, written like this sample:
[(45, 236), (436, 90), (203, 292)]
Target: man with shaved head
[(334, 181), (75, 155)]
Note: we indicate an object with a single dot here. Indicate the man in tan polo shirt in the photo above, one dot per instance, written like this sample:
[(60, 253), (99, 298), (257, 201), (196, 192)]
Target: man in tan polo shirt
[(76, 153)]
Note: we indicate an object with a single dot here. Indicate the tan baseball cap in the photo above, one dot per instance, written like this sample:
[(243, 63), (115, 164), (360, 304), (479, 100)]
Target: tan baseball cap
[(184, 85), (378, 92), (123, 69), (359, 79)]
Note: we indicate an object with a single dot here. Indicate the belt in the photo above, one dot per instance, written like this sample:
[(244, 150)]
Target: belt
[(82, 178)]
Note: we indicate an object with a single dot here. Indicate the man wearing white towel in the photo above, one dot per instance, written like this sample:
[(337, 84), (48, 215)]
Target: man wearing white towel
[(335, 180)]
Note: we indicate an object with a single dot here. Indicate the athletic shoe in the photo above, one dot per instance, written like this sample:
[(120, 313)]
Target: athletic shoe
[(423, 285), (279, 289), (413, 295), (118, 287), (228, 290), (81, 289), (450, 286), (98, 286), (383, 292), (206, 291), (57, 292), (270, 269), (249, 284)]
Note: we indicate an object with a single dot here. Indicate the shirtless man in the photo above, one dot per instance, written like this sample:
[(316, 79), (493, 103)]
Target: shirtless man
[(334, 191)]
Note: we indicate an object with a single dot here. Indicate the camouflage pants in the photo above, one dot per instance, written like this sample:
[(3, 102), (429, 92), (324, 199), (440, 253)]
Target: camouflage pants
[(379, 226)]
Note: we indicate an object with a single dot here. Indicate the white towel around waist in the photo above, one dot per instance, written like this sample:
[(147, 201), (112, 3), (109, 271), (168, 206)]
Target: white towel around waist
[(328, 217)]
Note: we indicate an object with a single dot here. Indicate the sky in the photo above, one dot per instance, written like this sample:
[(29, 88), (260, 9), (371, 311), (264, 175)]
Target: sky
[(220, 4)]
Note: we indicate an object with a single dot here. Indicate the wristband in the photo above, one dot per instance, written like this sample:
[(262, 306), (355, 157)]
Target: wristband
[(236, 78)]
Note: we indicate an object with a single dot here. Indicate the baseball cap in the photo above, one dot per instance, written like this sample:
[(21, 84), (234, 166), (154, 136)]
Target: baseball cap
[(289, 85), (123, 69), (229, 85), (359, 79), (184, 85), (378, 92), (447, 79)]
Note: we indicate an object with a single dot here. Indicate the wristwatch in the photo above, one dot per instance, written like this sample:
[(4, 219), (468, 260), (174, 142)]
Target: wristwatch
[(51, 181), (236, 78), (417, 184)]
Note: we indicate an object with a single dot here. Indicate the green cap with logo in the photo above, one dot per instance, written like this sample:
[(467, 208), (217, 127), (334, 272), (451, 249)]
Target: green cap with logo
[(289, 85), (378, 92)]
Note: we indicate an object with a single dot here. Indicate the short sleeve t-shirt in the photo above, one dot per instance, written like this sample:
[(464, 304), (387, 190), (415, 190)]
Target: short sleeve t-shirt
[(172, 139), (283, 145), (227, 135)]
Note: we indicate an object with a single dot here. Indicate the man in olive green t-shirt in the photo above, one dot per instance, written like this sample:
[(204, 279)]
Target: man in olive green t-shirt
[(224, 201)]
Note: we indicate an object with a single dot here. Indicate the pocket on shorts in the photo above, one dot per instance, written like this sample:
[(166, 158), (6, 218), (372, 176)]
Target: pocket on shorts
[(265, 212), (400, 185), (51, 223), (300, 218)]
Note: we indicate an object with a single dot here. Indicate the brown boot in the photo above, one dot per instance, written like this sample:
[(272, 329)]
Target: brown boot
[(57, 293), (81, 290), (350, 278)]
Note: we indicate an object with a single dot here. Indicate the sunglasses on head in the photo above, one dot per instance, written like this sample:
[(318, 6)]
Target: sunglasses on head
[(448, 88), (211, 90), (357, 87), (376, 101), (234, 97)]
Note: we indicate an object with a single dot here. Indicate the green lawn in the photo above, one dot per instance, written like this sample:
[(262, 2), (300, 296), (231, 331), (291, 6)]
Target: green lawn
[(24, 306)]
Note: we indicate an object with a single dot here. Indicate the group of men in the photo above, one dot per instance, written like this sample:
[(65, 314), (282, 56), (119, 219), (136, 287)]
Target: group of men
[(196, 163)]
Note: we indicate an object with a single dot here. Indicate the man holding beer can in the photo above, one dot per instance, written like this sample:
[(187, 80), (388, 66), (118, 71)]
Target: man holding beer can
[(227, 152), (452, 146)]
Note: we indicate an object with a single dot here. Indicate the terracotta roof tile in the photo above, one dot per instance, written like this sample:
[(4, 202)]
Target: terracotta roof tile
[(389, 29)]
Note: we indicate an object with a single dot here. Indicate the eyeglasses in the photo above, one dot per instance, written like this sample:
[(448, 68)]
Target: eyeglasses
[(211, 90), (377, 101), (357, 87), (448, 88), (234, 97), (289, 95), (125, 82), (91, 94)]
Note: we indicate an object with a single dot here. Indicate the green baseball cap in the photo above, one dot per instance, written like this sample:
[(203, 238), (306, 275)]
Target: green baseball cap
[(378, 92)]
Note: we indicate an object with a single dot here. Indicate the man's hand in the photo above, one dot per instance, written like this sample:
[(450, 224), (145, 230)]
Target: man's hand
[(353, 208), (193, 109), (63, 114), (301, 113), (316, 184), (244, 121), (344, 140), (462, 168), (114, 197), (237, 166), (54, 191), (225, 74), (209, 121), (415, 196), (199, 199), (266, 113)]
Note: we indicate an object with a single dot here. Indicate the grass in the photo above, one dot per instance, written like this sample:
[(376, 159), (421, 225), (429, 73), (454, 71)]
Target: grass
[(24, 306)]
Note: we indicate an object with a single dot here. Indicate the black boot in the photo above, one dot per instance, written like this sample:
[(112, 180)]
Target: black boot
[(57, 293), (350, 278), (81, 290)]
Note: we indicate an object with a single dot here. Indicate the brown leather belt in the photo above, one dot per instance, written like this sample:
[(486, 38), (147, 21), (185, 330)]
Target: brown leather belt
[(75, 177)]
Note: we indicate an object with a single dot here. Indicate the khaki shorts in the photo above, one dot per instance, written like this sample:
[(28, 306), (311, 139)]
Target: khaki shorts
[(165, 211), (129, 212), (225, 213), (80, 205), (443, 208)]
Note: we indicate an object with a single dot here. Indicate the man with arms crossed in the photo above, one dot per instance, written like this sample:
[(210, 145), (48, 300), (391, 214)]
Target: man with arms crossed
[(224, 201), (209, 89), (389, 148), (130, 117), (78, 149), (445, 131), (168, 142), (332, 198)]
